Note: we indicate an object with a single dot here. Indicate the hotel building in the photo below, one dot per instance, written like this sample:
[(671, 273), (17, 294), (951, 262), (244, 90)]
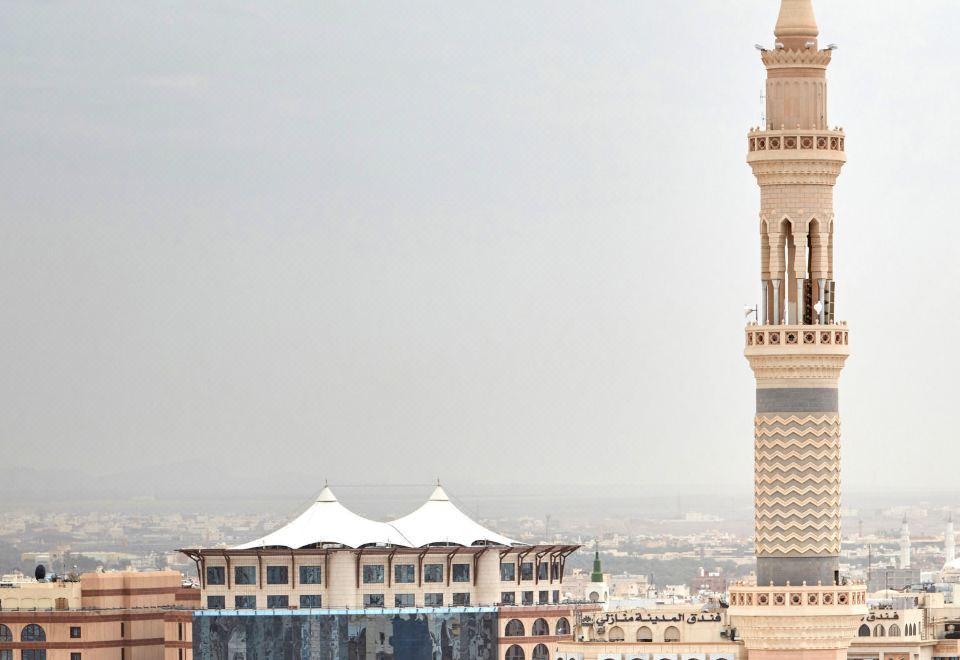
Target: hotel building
[(432, 577)]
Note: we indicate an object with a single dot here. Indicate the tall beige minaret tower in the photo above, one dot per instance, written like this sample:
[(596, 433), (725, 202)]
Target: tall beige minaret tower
[(800, 606)]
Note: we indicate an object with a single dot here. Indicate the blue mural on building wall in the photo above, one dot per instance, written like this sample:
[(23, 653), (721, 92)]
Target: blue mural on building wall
[(400, 634)]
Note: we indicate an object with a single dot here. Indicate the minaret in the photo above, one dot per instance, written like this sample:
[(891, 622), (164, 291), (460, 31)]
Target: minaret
[(904, 543), (949, 541), (597, 574), (797, 349)]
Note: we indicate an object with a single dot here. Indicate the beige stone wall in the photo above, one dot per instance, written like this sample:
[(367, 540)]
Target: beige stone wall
[(41, 596), (627, 651), (120, 611)]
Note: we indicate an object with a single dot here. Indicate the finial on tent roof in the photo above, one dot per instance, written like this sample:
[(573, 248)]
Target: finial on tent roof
[(439, 495), (326, 495)]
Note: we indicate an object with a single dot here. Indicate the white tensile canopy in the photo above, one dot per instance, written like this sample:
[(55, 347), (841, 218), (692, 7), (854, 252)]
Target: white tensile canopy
[(328, 521), (439, 522)]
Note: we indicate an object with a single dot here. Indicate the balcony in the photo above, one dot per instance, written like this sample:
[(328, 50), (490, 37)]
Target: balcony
[(784, 336), (795, 140)]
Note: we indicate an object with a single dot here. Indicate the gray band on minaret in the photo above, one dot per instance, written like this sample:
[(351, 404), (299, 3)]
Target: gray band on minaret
[(798, 399)]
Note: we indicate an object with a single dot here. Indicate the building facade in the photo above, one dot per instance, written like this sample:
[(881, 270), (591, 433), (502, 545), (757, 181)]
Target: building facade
[(331, 570), (100, 616)]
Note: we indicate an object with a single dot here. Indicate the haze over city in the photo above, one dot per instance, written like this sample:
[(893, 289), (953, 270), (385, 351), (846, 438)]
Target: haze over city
[(356, 242)]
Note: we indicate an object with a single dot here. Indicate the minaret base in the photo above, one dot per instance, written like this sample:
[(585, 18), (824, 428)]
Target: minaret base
[(797, 623)]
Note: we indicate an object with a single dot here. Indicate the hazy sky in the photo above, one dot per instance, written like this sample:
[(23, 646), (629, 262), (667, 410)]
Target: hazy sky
[(501, 241)]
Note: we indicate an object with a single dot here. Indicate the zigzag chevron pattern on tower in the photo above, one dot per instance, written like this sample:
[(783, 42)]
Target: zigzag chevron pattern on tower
[(797, 484)]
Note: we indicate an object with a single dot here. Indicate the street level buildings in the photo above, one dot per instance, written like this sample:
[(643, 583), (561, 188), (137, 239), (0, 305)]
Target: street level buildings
[(100, 616)]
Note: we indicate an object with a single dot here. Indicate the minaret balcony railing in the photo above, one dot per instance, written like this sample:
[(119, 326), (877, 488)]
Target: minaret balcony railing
[(787, 335), (799, 596), (783, 142)]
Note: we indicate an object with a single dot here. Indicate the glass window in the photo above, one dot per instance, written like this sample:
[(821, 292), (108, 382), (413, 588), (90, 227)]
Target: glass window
[(74, 632), (508, 598), (245, 602), (274, 602), (216, 602), (515, 653), (433, 600), (543, 598), (404, 573), (514, 628), (5, 634), (543, 571), (311, 600), (540, 652), (310, 575), (75, 655), (563, 626), (6, 654), (433, 572), (33, 633), (526, 570), (373, 574), (540, 628), (373, 600), (245, 575), (216, 575), (403, 600), (556, 596), (277, 575), (527, 598), (461, 572), (508, 572), (461, 600), (34, 654)]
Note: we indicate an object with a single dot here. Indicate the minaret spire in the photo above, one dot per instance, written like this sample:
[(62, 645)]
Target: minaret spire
[(796, 25)]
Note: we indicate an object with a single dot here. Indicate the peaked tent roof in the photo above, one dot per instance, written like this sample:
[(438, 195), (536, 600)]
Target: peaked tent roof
[(438, 521), (328, 521)]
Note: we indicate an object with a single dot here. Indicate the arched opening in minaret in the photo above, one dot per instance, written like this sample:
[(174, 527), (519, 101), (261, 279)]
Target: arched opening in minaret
[(766, 291), (813, 285), (788, 286)]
